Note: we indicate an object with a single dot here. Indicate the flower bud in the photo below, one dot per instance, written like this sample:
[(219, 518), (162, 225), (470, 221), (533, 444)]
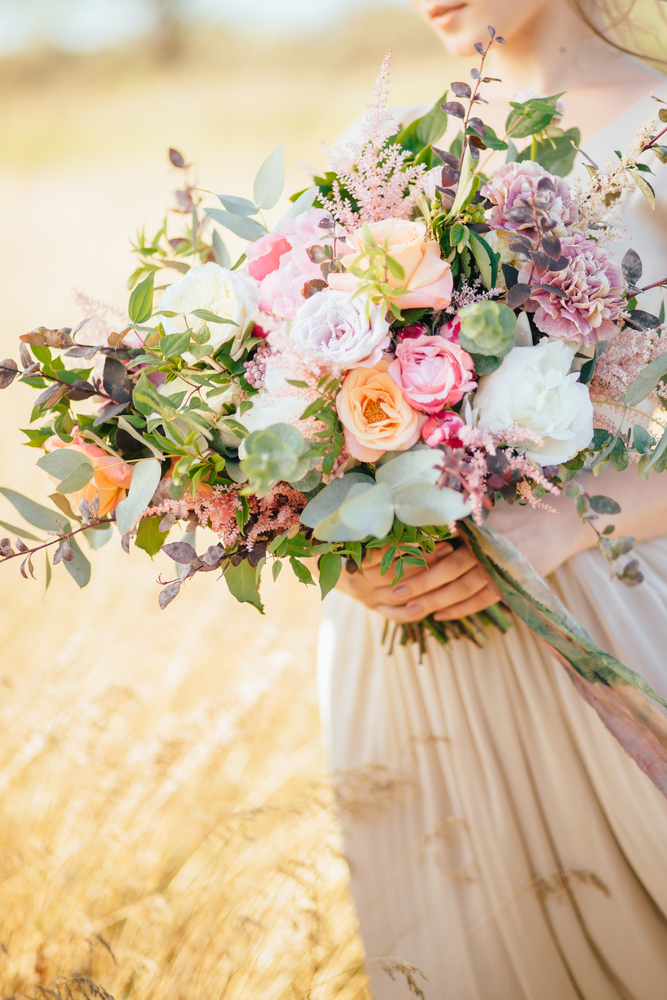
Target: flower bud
[(487, 328)]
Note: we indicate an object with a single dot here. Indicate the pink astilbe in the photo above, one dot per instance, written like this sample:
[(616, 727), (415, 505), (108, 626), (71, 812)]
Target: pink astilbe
[(620, 364), (525, 492), (466, 294), (270, 515), (377, 178)]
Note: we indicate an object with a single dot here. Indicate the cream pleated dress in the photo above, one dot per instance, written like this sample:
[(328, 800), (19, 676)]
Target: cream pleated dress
[(498, 837)]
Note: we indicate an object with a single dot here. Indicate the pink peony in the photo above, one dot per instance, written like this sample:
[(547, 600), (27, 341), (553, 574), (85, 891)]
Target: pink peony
[(432, 372), (514, 185), (443, 428), (450, 331), (593, 303), (280, 263), (411, 331)]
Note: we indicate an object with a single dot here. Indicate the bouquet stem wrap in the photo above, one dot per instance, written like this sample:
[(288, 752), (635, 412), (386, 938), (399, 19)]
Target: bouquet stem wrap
[(618, 694)]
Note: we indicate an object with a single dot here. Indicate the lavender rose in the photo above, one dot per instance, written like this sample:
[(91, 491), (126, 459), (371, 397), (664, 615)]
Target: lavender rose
[(339, 331), (514, 185), (432, 372), (593, 283)]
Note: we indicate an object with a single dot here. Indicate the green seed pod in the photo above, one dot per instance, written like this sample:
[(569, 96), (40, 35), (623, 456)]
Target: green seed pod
[(487, 328)]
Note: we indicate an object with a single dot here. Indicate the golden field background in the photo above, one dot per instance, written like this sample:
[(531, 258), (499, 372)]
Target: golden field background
[(166, 820)]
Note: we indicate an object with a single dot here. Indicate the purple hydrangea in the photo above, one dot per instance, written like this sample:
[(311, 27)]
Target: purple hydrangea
[(593, 286), (514, 185)]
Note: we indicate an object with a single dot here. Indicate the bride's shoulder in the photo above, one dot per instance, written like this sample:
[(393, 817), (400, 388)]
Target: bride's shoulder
[(403, 114)]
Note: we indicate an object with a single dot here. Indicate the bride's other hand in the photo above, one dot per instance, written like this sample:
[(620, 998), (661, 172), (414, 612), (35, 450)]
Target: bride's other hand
[(453, 586)]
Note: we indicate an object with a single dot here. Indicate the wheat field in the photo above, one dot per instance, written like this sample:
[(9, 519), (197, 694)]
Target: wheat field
[(167, 823)]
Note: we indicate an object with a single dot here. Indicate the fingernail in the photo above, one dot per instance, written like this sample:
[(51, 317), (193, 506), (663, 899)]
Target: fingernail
[(401, 591), (413, 609)]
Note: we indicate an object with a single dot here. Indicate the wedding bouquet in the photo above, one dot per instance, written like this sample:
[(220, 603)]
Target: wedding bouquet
[(415, 340)]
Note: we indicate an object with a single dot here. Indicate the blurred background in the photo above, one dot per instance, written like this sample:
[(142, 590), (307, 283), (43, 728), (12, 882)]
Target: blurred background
[(166, 818)]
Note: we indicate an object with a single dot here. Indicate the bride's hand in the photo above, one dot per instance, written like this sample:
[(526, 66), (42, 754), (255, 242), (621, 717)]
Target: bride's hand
[(453, 586)]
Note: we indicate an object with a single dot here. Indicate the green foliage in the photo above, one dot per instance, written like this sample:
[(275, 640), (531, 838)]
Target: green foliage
[(72, 468), (270, 179), (140, 307), (145, 478), (34, 513), (79, 567), (530, 117), (243, 582), (275, 454), (330, 566), (149, 537), (556, 152)]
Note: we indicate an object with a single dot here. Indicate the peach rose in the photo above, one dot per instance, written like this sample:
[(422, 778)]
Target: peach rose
[(428, 278), (110, 481), (375, 414)]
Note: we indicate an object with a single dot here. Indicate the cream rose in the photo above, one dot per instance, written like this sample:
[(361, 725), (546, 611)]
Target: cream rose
[(427, 276), (375, 414), (229, 294), (533, 388)]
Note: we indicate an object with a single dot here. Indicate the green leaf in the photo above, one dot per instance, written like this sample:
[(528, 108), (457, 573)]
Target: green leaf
[(175, 344), (61, 462), (34, 513), (367, 511), (465, 184), (275, 569), (270, 179), (644, 187), (433, 124), (557, 155), (244, 227), (48, 571), (141, 301), (237, 206), (485, 364), (79, 568), (145, 478), (420, 505), (243, 583), (330, 566), (211, 317), (646, 381), (21, 532), (301, 572), (418, 466), (530, 117), (485, 258), (305, 201), (149, 537), (658, 452)]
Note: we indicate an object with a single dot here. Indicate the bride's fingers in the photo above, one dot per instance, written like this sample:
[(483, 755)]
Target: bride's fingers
[(484, 599), (444, 571), (451, 595)]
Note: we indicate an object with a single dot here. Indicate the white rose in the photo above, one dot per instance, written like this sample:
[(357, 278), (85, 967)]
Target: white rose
[(532, 388), (229, 294), (340, 331)]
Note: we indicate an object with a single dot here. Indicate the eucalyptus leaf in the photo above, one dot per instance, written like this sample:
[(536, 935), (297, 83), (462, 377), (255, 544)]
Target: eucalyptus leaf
[(67, 465), (244, 227), (78, 568), (658, 452), (331, 497), (220, 250), (77, 479), (96, 538), (21, 532), (308, 482), (145, 478), (419, 505), (368, 511), (270, 179), (34, 513), (646, 381), (410, 467), (305, 201), (237, 206)]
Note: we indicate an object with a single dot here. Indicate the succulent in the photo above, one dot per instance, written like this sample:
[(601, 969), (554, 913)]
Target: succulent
[(487, 328)]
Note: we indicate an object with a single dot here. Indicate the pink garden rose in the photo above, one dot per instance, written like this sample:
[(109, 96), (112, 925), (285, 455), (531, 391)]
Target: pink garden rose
[(443, 428), (593, 285), (514, 185), (450, 331), (427, 277), (432, 372), (280, 263)]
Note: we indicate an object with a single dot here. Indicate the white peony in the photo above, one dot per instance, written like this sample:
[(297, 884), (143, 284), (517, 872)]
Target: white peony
[(532, 388), (340, 331), (277, 403), (229, 294)]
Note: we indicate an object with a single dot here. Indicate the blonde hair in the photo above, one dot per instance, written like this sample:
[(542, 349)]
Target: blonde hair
[(628, 25)]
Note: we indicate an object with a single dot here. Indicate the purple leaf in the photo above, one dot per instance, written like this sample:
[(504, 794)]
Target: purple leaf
[(177, 159), (180, 552), (479, 48), (517, 295), (8, 372), (492, 31), (27, 358), (552, 289), (478, 125), (167, 523), (6, 547), (475, 74), (168, 593), (462, 89), (454, 108), (551, 247)]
